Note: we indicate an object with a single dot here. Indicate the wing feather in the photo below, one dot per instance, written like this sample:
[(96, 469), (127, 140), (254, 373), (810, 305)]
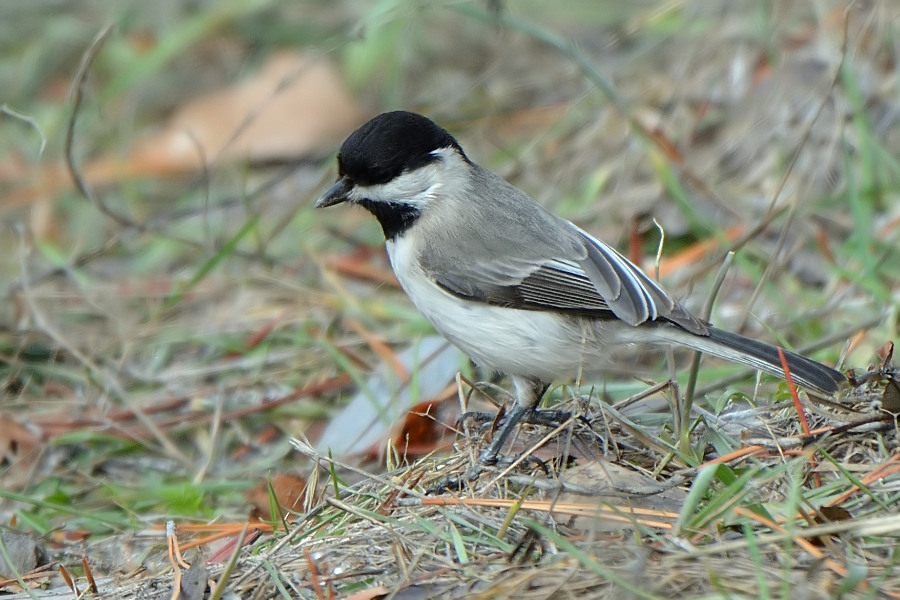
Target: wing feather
[(635, 297), (599, 283)]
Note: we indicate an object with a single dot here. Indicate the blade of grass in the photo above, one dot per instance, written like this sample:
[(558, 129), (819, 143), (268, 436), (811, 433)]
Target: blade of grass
[(756, 558), (459, 546), (207, 267), (591, 564)]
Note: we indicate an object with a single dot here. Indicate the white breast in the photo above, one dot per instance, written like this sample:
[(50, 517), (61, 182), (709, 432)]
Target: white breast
[(548, 346)]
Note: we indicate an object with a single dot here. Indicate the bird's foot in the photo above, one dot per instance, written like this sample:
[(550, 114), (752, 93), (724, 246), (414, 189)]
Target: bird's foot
[(455, 483), (490, 457), (546, 417)]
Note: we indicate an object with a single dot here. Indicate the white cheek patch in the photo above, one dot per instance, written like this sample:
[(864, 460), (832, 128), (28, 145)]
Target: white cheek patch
[(415, 188), (419, 187)]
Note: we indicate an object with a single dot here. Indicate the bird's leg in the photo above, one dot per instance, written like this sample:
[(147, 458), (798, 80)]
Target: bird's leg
[(529, 392)]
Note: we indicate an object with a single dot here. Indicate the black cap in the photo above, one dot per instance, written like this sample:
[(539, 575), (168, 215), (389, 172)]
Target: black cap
[(389, 144)]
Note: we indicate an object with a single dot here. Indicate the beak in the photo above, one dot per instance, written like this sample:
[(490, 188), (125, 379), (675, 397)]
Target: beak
[(336, 194)]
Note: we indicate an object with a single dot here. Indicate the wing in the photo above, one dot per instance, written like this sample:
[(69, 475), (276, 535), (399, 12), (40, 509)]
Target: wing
[(598, 282), (555, 285), (632, 295)]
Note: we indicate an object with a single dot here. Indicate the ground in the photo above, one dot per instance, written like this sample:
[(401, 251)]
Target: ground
[(178, 320)]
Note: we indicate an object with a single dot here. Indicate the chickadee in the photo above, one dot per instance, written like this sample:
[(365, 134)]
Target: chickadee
[(509, 283)]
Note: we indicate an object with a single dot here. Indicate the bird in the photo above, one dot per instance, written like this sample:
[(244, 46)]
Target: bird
[(511, 284)]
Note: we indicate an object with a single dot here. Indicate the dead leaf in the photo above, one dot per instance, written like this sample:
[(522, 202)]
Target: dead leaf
[(608, 484), (832, 514), (374, 593), (598, 476), (193, 581), (423, 430), (296, 106), (289, 490), (890, 399), (25, 554), (18, 448), (366, 422), (829, 514)]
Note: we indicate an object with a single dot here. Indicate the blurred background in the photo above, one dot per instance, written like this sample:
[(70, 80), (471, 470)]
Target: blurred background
[(173, 308)]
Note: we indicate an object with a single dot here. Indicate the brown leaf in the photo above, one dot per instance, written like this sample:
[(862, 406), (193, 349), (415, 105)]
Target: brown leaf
[(423, 430), (295, 106), (374, 593), (890, 398), (290, 492), (18, 448), (829, 514), (832, 514)]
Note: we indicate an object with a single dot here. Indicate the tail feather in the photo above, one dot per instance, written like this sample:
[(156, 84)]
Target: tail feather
[(764, 357)]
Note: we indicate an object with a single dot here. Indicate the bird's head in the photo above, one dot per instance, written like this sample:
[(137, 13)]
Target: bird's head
[(394, 166)]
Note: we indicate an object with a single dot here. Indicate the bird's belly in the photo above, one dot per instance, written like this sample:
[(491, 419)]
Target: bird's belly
[(516, 342), (538, 344)]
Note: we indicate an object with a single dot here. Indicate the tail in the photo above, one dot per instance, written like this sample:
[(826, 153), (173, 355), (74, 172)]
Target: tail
[(761, 356)]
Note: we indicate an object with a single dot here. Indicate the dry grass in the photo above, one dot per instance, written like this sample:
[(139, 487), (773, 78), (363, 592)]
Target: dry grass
[(604, 526), (155, 367)]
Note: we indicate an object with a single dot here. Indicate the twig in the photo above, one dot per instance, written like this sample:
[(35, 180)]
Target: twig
[(694, 370), (78, 92), (109, 383), (6, 110), (525, 455)]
